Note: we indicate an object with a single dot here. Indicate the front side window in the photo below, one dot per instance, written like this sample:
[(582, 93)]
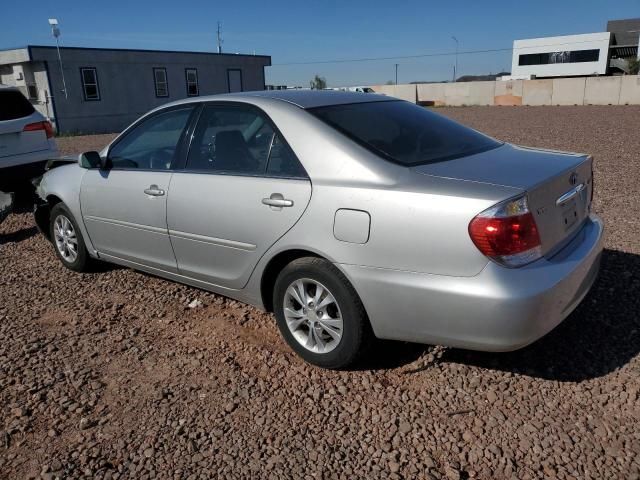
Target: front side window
[(192, 82), (90, 86), (152, 144), (404, 133), (239, 140), (161, 82)]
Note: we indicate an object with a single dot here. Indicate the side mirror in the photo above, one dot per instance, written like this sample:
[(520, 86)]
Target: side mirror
[(92, 160)]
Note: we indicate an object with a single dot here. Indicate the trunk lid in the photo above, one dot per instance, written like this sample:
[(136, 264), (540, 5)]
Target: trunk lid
[(558, 185), (15, 113)]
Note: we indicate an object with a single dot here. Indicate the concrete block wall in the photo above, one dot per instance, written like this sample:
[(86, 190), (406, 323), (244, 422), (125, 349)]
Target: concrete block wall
[(537, 92), (403, 92), (622, 90), (602, 90), (568, 91), (630, 90), (432, 93), (469, 93), (482, 93), (508, 93)]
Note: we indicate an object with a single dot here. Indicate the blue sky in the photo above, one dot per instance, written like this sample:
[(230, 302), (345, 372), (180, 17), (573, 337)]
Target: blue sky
[(299, 31)]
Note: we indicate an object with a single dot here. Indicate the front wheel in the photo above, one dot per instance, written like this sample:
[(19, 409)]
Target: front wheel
[(67, 239), (320, 314)]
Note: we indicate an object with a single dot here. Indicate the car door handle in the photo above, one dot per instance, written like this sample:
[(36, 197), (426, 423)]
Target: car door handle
[(277, 200), (154, 191)]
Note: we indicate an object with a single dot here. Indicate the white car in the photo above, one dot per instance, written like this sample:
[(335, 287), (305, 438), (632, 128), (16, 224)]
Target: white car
[(355, 89), (26, 136), (361, 89)]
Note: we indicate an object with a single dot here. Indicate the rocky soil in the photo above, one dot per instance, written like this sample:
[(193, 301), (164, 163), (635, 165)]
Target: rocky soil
[(112, 374)]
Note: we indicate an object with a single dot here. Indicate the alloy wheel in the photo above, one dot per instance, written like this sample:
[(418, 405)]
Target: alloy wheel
[(313, 315), (65, 238)]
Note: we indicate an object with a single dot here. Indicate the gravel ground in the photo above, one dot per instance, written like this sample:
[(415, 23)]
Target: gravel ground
[(112, 375)]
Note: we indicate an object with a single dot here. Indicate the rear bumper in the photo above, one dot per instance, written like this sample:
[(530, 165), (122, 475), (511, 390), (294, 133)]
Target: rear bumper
[(20, 169), (499, 309), (28, 158)]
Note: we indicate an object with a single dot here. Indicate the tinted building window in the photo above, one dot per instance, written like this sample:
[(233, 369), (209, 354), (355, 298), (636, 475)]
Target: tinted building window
[(548, 58), (161, 82), (403, 132), (192, 82), (90, 86)]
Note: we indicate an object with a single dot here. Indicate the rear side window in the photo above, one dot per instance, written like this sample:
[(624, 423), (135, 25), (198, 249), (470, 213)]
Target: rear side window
[(404, 133), (13, 105), (239, 140)]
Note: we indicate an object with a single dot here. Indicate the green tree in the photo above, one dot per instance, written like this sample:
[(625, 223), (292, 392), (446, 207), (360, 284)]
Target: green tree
[(318, 83), (390, 82), (634, 66)]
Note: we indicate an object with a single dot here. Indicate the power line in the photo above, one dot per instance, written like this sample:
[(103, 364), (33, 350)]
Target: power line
[(371, 59), (425, 55)]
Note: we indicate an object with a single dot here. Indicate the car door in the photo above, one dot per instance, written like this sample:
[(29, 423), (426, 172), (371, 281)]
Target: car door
[(241, 189), (124, 207)]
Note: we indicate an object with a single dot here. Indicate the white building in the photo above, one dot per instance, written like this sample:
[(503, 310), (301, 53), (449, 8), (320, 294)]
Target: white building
[(564, 56)]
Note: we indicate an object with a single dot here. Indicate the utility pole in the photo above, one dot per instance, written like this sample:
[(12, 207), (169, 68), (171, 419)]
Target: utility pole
[(56, 33), (396, 73), (455, 68), (219, 40)]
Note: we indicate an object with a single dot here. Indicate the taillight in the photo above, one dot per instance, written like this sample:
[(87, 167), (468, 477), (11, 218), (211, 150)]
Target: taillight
[(507, 233), (46, 126)]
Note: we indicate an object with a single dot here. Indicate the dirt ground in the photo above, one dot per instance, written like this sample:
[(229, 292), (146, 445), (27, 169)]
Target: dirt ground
[(112, 375)]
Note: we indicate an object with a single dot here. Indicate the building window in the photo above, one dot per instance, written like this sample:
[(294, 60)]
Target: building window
[(90, 86), (547, 58), (161, 82), (191, 75)]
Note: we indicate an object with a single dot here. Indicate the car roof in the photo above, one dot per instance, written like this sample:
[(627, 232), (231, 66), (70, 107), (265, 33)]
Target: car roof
[(308, 98)]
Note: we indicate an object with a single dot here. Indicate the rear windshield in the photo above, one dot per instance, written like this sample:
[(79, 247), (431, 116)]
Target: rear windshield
[(13, 105), (403, 132)]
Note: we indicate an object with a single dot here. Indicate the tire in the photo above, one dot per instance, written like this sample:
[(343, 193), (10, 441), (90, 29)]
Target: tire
[(344, 317), (76, 259)]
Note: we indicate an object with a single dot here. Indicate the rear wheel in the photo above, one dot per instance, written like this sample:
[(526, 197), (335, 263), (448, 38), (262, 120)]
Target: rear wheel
[(319, 313), (67, 239)]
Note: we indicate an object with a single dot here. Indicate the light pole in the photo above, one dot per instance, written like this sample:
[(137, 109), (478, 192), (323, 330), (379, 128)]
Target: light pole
[(455, 68), (396, 73), (56, 33)]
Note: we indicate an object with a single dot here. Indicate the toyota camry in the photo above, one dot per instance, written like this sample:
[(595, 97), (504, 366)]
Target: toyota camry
[(349, 216)]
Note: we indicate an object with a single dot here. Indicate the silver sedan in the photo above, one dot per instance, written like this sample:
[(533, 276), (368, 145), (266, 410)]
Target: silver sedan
[(349, 216)]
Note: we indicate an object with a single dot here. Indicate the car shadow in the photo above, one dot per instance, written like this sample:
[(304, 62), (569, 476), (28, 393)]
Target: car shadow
[(599, 337), (18, 236), (24, 197)]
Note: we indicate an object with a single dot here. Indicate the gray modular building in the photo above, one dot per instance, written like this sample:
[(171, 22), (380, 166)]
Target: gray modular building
[(107, 89)]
